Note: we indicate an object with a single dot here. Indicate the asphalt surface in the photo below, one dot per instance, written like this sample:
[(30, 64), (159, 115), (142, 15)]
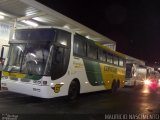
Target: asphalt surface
[(91, 106)]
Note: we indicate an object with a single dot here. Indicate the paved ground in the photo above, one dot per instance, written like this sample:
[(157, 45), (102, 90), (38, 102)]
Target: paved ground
[(90, 106)]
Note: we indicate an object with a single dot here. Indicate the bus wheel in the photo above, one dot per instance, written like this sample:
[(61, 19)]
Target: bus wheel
[(114, 87), (134, 85), (118, 84), (74, 90)]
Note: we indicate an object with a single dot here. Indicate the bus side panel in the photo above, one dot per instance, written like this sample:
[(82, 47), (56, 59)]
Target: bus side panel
[(107, 76), (78, 71), (99, 74), (93, 72), (110, 73), (121, 76)]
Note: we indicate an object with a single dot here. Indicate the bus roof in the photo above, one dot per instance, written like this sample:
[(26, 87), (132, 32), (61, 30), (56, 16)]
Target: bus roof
[(130, 59), (110, 50)]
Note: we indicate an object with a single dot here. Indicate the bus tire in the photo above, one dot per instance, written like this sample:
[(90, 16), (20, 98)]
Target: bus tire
[(114, 86), (118, 84), (74, 90), (134, 85)]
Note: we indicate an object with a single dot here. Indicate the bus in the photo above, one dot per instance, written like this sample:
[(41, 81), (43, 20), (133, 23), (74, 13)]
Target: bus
[(49, 62), (135, 74)]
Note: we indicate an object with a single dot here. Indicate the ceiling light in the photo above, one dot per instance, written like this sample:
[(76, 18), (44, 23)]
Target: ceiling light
[(38, 19), (66, 26), (2, 13), (88, 37), (31, 23), (1, 17)]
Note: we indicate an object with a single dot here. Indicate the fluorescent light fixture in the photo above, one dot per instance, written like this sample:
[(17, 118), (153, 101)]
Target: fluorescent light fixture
[(66, 26), (88, 37), (2, 13), (31, 23), (1, 17), (38, 19)]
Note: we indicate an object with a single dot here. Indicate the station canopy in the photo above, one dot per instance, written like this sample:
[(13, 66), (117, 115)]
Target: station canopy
[(31, 12)]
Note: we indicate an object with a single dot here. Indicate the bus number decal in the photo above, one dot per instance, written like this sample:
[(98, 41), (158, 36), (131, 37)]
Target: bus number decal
[(57, 87)]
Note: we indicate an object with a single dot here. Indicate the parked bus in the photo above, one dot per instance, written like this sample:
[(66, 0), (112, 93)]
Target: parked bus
[(51, 62), (135, 74)]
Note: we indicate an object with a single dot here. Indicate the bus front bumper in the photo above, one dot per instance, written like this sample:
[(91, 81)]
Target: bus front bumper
[(27, 88)]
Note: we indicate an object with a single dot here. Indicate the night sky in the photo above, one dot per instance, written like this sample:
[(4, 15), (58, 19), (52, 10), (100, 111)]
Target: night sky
[(133, 24)]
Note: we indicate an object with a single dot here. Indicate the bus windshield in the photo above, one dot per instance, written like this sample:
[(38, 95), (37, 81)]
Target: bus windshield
[(129, 70), (29, 51), (28, 59)]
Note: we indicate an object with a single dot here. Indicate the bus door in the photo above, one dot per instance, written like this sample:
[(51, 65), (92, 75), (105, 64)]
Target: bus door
[(61, 55), (60, 62), (4, 53)]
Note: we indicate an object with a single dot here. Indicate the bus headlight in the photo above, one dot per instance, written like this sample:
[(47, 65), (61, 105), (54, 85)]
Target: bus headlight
[(147, 82), (52, 84)]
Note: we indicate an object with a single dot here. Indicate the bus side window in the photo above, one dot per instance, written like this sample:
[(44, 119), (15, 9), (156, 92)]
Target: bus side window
[(58, 55), (109, 58), (79, 46), (115, 60), (101, 55), (61, 55), (121, 62), (91, 51), (63, 38)]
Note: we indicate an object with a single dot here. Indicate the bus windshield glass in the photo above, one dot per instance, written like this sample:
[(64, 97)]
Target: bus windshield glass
[(30, 57), (129, 70), (34, 35)]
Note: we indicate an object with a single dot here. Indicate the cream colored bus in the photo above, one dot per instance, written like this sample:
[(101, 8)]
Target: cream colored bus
[(50, 62)]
